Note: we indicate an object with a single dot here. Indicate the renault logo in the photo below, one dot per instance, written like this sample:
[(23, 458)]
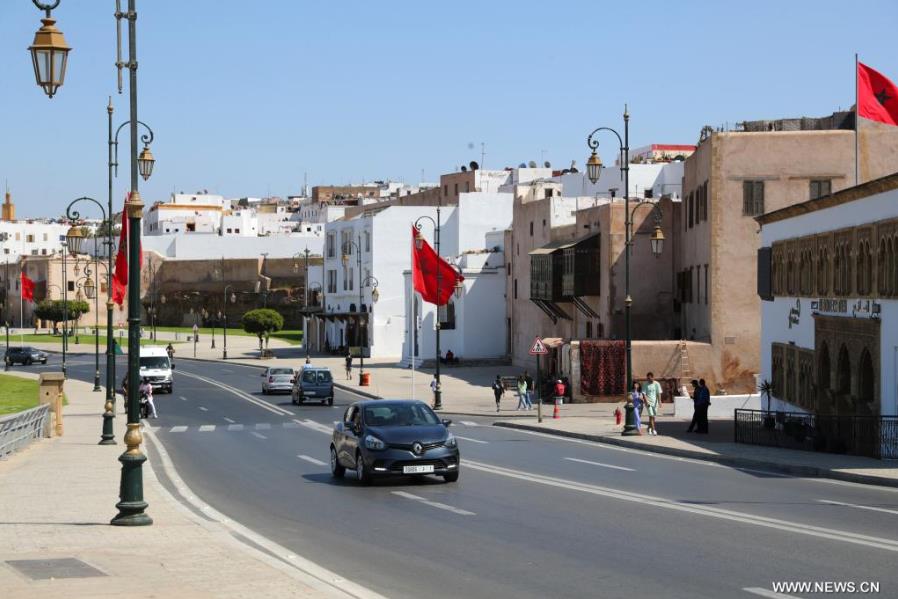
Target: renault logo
[(417, 448)]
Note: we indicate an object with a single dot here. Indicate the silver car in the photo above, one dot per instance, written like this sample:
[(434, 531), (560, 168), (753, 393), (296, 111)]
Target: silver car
[(277, 380)]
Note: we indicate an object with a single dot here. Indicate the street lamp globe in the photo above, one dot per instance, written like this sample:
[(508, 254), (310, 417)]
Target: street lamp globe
[(233, 298), (375, 295), (594, 167), (419, 239), (74, 239), (657, 241), (345, 258), (145, 163), (90, 288), (49, 56), (162, 299)]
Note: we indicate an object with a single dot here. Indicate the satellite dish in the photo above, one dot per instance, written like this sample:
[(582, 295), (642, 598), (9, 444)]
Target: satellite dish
[(464, 169), (474, 166), (522, 165), (547, 164), (532, 164)]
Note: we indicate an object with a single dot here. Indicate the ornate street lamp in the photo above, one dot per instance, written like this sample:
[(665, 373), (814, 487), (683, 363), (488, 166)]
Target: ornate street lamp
[(74, 239), (49, 52), (145, 162), (594, 167), (657, 241), (90, 288)]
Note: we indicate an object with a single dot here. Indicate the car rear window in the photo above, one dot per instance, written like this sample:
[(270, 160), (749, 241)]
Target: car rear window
[(400, 415), (324, 376), (280, 371)]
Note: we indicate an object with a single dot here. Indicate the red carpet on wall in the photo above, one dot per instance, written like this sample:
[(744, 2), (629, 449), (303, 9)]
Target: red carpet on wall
[(603, 368)]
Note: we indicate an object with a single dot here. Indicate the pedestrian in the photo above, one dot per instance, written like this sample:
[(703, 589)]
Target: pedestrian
[(702, 404), (522, 393), (498, 391), (653, 394), (695, 409), (434, 385), (146, 390), (125, 392), (529, 381), (638, 399), (348, 366)]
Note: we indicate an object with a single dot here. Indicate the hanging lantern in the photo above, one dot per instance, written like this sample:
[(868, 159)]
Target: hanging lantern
[(49, 56)]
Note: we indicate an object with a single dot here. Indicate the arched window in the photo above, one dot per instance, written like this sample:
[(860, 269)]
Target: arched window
[(866, 382), (844, 372), (790, 274), (823, 272), (861, 269), (882, 269), (837, 270)]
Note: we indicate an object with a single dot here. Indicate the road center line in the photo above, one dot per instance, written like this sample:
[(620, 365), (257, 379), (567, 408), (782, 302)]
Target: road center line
[(177, 429), (768, 593), (471, 440), (206, 428), (241, 394), (603, 465), (435, 504), (311, 460), (860, 507), (235, 427), (229, 420), (704, 510), (182, 398), (204, 409), (469, 423), (260, 435)]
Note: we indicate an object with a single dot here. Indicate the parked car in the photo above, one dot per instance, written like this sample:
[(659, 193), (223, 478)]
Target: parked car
[(277, 380), (380, 437), (313, 383), (25, 355), (156, 366)]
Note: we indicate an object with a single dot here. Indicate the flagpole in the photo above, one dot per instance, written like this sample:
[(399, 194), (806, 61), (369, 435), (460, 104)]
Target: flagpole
[(857, 125)]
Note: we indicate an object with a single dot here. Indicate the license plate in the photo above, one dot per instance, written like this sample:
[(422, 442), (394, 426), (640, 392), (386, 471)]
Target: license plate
[(422, 469), (309, 392)]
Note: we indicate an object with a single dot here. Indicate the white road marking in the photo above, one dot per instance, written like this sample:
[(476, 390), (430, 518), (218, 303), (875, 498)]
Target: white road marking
[(860, 507), (235, 427), (601, 464), (311, 460), (178, 429), (290, 425), (204, 409), (226, 371), (469, 423), (471, 440), (263, 426), (229, 420), (241, 394), (261, 436), (768, 593), (207, 428), (435, 504), (317, 426), (182, 398), (704, 510)]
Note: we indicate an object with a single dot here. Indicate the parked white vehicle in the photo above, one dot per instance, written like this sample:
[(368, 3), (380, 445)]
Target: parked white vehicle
[(156, 366)]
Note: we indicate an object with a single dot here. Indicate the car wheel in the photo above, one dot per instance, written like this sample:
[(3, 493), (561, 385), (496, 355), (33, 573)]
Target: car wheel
[(451, 477), (44, 361), (264, 392), (330, 401), (361, 471), (27, 361), (337, 469)]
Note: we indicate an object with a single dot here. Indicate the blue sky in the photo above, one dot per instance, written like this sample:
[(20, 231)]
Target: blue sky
[(246, 97)]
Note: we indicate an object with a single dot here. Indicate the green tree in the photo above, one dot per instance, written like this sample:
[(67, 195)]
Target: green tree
[(55, 310), (262, 322)]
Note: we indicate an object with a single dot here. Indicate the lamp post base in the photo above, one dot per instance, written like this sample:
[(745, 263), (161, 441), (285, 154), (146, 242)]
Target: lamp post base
[(438, 400), (213, 344), (97, 382), (224, 355), (108, 436), (630, 428), (131, 508)]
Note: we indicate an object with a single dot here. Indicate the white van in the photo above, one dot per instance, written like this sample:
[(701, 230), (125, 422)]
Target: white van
[(155, 365)]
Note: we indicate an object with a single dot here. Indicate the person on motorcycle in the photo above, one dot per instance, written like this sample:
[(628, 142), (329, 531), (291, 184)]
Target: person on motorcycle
[(171, 352), (146, 391)]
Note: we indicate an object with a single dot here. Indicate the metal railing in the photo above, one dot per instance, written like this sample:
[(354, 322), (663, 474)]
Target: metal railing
[(18, 430), (870, 436)]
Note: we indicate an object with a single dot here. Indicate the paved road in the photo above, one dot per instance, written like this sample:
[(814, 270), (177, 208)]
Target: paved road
[(531, 516)]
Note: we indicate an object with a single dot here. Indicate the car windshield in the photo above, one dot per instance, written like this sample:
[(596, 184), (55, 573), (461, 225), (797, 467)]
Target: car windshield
[(280, 371), (316, 376), (400, 415), (153, 362)]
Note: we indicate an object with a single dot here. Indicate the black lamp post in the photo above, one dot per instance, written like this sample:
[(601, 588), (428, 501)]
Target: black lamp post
[(233, 298), (317, 289), (594, 172), (347, 250), (305, 303), (4, 237)]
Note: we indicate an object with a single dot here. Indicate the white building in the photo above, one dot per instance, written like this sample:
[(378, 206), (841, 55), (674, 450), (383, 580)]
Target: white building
[(651, 180), (185, 213), (828, 272), (384, 236)]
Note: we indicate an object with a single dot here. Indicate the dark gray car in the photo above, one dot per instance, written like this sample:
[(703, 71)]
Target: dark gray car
[(313, 383), (25, 355), (380, 437)]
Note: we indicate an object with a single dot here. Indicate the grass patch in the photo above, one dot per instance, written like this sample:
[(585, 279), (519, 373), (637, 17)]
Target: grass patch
[(17, 394), (85, 339), (293, 337)]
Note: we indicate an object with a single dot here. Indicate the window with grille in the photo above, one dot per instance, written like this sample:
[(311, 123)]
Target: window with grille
[(820, 188), (752, 198)]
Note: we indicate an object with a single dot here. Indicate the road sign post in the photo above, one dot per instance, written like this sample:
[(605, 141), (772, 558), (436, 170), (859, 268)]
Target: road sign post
[(538, 349)]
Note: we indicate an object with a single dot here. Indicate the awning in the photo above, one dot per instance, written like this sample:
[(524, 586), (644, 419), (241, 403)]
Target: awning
[(560, 245), (553, 342)]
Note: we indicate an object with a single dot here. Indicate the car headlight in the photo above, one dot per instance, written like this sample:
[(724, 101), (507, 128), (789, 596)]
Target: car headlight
[(372, 442), (450, 441)]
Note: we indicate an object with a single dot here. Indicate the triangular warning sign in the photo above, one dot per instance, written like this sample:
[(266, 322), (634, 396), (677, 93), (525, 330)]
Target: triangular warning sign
[(538, 348)]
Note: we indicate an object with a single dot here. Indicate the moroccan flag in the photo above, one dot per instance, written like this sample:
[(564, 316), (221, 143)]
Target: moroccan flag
[(425, 266), (27, 288), (120, 274), (877, 97)]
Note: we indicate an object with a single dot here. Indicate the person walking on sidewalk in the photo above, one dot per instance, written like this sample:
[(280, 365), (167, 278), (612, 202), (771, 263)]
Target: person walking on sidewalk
[(638, 399), (702, 403), (522, 394), (695, 409), (653, 393), (146, 390), (498, 391), (348, 366), (529, 380)]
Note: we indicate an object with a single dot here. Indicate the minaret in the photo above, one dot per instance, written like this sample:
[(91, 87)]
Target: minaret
[(9, 209)]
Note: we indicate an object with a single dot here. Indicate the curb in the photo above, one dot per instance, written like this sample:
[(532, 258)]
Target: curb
[(738, 462)]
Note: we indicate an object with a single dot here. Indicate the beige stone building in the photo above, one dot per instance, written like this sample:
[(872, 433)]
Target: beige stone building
[(733, 177)]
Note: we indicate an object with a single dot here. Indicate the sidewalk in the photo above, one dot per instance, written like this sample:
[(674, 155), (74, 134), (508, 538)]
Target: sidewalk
[(718, 446), (56, 500)]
